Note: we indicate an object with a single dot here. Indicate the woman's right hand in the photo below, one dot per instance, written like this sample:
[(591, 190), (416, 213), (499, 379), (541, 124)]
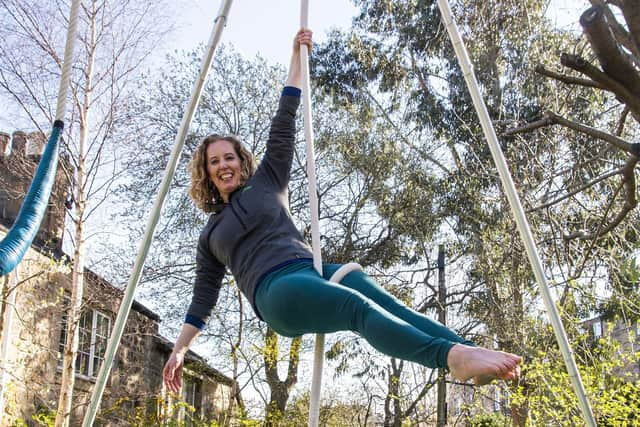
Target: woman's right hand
[(303, 36), (172, 372)]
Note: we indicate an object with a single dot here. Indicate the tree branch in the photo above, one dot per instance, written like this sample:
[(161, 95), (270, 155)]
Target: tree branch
[(615, 62), (551, 118), (622, 121), (620, 91), (294, 360), (564, 78), (621, 34), (577, 190), (631, 12), (404, 139), (629, 184)]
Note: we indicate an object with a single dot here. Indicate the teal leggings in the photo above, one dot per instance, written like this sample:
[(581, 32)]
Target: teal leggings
[(294, 300)]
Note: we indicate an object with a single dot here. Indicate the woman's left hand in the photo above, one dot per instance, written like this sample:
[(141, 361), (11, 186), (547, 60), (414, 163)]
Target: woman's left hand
[(303, 36)]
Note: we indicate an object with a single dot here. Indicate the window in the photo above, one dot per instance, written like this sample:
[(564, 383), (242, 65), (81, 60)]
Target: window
[(93, 336), (189, 390), (191, 394), (597, 329)]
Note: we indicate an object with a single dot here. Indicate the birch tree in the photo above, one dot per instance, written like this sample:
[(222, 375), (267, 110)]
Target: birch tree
[(115, 37), (594, 205)]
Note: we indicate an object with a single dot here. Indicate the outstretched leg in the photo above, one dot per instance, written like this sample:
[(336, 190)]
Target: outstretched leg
[(365, 285), (464, 359), (296, 300)]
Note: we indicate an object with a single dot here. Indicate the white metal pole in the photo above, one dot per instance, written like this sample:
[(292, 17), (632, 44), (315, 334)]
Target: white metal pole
[(316, 381), (516, 207), (134, 279)]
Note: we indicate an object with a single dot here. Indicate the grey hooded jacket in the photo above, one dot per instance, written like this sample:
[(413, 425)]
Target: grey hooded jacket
[(254, 232)]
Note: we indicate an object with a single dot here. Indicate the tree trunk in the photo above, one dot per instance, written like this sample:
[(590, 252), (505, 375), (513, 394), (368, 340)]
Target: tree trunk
[(277, 405), (73, 321), (393, 418), (520, 413), (77, 284), (230, 417), (441, 420), (279, 389)]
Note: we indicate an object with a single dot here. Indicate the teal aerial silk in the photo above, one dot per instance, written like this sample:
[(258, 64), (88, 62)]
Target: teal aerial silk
[(24, 230)]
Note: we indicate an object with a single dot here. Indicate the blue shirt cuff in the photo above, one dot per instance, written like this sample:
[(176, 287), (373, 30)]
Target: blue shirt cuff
[(291, 91), (195, 321)]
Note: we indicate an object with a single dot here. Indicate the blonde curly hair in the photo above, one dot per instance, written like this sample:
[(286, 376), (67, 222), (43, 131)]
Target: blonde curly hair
[(205, 195)]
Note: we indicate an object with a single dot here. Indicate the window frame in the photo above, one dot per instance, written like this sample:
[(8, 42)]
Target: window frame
[(92, 356), (191, 393), (191, 390), (598, 329)]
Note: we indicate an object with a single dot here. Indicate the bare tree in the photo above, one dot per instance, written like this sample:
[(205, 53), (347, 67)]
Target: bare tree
[(615, 46), (115, 37)]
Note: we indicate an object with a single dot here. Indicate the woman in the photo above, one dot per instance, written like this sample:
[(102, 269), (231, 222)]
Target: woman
[(251, 232)]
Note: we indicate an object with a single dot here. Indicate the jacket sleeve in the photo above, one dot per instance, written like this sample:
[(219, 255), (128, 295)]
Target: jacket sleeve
[(209, 275), (276, 163)]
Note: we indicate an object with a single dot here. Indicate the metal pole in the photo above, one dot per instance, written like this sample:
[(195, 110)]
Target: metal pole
[(169, 172), (441, 420), (518, 212), (316, 381)]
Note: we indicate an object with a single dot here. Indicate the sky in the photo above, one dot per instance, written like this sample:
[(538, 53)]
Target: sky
[(264, 27)]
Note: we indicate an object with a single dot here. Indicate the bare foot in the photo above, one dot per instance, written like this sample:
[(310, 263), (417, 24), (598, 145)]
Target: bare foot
[(482, 364), (486, 379)]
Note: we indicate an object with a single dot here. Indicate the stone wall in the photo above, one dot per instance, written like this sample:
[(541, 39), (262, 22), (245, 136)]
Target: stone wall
[(216, 388), (31, 362)]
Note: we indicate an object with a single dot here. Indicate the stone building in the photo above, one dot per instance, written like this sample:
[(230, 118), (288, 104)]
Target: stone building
[(627, 335), (33, 301)]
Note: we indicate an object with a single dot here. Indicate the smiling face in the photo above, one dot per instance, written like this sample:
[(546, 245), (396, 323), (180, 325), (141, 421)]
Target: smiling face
[(224, 167)]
